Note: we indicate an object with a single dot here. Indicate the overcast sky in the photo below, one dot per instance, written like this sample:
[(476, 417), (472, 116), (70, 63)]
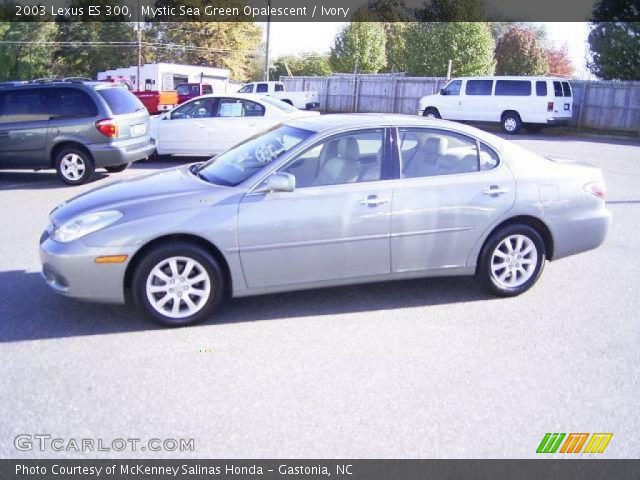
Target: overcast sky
[(287, 38)]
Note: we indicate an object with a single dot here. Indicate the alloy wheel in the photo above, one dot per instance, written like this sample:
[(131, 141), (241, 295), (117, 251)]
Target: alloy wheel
[(72, 167), (514, 261)]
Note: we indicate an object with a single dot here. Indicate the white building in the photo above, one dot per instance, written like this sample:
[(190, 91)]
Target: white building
[(166, 76)]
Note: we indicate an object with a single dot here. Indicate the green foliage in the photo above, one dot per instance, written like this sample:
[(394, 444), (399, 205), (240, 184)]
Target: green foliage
[(452, 11), (362, 43), (519, 52), (306, 64), (615, 50), (25, 61), (429, 47)]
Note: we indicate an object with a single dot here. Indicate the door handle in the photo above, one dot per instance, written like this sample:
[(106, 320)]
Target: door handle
[(495, 190), (373, 201)]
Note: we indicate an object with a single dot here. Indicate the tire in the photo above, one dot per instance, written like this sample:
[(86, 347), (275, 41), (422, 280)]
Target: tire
[(74, 166), (511, 123), (147, 284), (117, 168), (501, 281), (431, 112), (533, 127)]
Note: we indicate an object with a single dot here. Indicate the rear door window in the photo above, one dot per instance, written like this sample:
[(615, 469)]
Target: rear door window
[(566, 89), (479, 87), (557, 89), (234, 107), (541, 88), (121, 101), (23, 106), (518, 88)]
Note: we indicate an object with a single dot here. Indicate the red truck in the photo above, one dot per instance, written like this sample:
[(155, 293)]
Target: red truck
[(187, 91), (155, 101)]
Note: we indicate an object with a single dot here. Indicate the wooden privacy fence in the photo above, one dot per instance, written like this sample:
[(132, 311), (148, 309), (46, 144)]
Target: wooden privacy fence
[(596, 104)]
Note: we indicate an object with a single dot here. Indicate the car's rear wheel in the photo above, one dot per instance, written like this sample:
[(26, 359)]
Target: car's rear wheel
[(74, 166), (117, 168), (511, 123), (511, 260), (178, 284), (431, 112)]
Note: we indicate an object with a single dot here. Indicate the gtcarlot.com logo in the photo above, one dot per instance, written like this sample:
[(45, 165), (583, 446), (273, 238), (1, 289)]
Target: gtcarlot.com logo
[(42, 442), (597, 443)]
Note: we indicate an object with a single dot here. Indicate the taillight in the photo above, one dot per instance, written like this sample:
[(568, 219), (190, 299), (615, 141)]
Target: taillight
[(597, 189), (549, 106), (108, 127)]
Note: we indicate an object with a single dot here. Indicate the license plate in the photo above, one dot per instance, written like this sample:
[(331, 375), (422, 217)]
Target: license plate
[(137, 130)]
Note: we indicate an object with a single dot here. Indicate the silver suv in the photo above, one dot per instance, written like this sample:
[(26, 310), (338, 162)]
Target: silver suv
[(72, 126)]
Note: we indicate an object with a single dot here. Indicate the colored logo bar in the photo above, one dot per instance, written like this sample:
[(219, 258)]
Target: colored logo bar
[(574, 442)]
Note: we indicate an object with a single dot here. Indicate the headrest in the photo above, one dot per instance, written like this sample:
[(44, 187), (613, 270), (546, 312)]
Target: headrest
[(436, 145), (348, 148)]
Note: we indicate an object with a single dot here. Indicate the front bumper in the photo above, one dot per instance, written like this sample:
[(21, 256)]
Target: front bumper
[(112, 154), (70, 269)]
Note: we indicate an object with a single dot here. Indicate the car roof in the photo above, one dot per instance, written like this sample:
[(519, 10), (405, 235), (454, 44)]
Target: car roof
[(60, 83), (510, 77)]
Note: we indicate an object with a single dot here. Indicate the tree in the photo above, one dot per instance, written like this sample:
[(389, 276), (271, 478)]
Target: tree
[(430, 46), (361, 45), (614, 45), (559, 62), (452, 11), (305, 64), (518, 52), (23, 61)]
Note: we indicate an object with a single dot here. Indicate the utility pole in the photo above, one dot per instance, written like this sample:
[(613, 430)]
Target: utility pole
[(449, 70), (266, 52), (139, 32)]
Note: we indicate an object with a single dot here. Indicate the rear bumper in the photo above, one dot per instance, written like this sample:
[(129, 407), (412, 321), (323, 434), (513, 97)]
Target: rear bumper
[(558, 121), (581, 234), (108, 154)]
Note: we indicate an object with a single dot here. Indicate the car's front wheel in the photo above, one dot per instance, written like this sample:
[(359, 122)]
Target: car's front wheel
[(511, 260), (178, 284), (117, 168), (511, 123), (74, 166)]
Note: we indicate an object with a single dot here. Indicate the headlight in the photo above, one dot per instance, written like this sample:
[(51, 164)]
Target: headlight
[(84, 225)]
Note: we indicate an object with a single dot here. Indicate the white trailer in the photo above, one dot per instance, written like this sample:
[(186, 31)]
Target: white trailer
[(166, 76)]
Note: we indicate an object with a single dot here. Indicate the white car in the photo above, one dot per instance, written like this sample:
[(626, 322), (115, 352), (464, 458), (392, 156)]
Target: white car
[(211, 124), (304, 100), (532, 102)]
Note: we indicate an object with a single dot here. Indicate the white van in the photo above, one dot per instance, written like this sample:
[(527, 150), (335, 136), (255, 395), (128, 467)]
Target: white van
[(532, 102)]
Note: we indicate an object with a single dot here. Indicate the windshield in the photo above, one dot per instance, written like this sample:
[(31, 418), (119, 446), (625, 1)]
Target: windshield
[(237, 164)]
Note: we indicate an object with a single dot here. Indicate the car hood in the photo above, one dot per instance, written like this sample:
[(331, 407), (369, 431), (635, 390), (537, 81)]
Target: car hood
[(163, 191)]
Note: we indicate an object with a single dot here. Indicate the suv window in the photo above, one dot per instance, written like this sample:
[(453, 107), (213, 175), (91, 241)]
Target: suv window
[(429, 153), (518, 88), (262, 88), (71, 103), (566, 89), (23, 106), (279, 87), (453, 88), (541, 88), (479, 87), (120, 101)]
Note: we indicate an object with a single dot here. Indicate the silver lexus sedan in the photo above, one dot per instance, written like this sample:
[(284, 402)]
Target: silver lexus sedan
[(322, 201)]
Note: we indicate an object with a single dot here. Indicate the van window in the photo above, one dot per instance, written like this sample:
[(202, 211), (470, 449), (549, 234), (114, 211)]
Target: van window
[(519, 88), (23, 106), (541, 88), (479, 87), (206, 89), (279, 87), (70, 103), (262, 88), (453, 88), (566, 89), (557, 89), (121, 101)]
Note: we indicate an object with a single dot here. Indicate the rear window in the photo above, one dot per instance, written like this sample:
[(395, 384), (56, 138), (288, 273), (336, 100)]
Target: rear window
[(557, 89), (121, 101), (566, 89), (541, 88), (518, 88), (479, 87)]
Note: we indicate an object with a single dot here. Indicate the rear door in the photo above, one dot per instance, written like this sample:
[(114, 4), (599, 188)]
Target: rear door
[(23, 128), (447, 196)]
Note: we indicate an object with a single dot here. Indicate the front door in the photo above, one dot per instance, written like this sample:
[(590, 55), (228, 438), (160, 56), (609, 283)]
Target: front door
[(187, 130), (449, 194), (334, 226)]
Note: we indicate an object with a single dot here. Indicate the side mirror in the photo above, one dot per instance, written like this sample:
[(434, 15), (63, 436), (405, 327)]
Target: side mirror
[(443, 91), (278, 182)]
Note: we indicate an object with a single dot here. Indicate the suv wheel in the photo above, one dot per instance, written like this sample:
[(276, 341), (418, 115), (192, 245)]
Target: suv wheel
[(74, 166), (511, 260), (178, 284), (117, 168), (511, 123)]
